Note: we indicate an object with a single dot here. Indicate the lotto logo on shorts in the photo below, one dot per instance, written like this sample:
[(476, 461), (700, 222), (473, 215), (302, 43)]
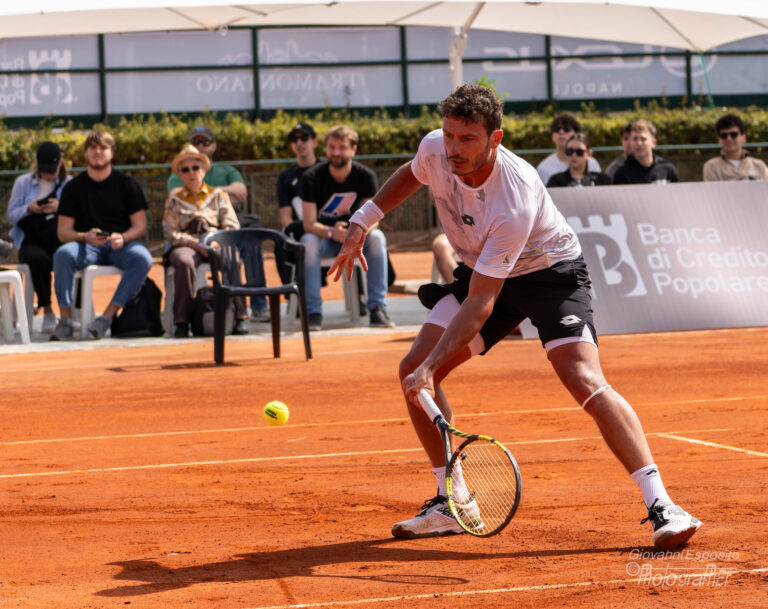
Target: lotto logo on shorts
[(570, 320), (607, 243)]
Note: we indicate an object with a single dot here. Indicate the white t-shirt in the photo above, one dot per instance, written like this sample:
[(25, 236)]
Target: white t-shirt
[(507, 226), (552, 165)]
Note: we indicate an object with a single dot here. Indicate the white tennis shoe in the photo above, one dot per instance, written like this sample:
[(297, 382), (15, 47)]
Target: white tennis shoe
[(672, 525), (435, 519)]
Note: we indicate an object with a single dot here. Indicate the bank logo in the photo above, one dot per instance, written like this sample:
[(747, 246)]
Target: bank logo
[(607, 244), (50, 87)]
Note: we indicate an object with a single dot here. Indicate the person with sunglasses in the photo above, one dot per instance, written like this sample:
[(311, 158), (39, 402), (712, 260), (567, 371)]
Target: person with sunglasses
[(579, 151), (733, 163), (642, 165), (303, 141), (226, 177), (192, 212), (221, 175), (563, 127)]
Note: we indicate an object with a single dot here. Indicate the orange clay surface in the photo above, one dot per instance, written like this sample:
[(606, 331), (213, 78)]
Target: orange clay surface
[(146, 477)]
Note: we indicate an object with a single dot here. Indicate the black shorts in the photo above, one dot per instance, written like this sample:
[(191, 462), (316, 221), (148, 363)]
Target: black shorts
[(556, 300)]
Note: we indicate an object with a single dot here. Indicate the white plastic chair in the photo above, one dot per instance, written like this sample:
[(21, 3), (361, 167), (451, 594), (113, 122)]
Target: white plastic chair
[(203, 272), (351, 291), (29, 291), (8, 280), (85, 277)]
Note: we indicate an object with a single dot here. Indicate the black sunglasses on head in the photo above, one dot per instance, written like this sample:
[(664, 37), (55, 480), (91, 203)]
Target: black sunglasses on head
[(295, 138), (576, 151), (724, 135), (189, 168)]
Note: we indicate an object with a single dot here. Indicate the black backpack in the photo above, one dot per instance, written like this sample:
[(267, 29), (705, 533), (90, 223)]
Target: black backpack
[(141, 315), (203, 307)]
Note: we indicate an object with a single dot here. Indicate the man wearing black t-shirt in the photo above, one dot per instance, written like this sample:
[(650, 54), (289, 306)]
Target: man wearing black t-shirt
[(331, 191), (102, 220), (642, 166), (303, 141)]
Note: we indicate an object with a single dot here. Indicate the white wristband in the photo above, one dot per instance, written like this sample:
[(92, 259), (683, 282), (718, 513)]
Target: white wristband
[(368, 215)]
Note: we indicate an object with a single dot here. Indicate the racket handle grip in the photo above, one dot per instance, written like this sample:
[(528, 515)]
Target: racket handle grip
[(429, 406)]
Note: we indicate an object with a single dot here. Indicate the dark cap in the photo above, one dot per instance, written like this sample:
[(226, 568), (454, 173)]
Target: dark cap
[(201, 131), (48, 157), (303, 129)]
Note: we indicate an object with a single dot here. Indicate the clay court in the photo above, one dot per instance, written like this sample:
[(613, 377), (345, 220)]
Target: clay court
[(144, 476)]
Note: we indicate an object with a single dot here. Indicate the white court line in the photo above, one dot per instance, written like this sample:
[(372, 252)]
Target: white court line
[(705, 400), (414, 597), (125, 468), (712, 444), (159, 434), (466, 416), (139, 367)]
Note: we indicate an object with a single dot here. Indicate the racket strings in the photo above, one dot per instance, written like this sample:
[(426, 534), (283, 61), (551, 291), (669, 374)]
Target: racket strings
[(484, 487)]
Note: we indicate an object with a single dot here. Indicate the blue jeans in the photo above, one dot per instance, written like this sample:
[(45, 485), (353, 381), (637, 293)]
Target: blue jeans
[(375, 252), (133, 258)]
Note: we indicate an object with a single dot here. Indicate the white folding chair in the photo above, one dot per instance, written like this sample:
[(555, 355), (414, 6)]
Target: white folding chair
[(8, 280), (29, 291), (203, 272), (351, 292), (84, 278)]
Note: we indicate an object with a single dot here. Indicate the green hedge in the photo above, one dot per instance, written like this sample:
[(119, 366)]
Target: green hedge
[(155, 140)]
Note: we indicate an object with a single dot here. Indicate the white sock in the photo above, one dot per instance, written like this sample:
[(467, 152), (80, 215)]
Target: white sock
[(460, 492), (440, 475), (649, 482)]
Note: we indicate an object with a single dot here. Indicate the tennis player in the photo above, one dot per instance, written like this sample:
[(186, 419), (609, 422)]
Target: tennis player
[(521, 260)]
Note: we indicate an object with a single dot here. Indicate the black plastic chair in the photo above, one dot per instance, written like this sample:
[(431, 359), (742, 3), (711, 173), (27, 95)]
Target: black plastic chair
[(242, 253)]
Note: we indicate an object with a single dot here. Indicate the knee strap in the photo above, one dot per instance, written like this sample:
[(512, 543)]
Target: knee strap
[(597, 391)]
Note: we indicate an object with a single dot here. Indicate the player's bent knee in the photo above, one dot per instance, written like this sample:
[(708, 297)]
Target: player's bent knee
[(594, 394)]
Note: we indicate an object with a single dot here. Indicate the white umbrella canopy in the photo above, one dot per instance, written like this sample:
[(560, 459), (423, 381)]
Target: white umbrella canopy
[(697, 25)]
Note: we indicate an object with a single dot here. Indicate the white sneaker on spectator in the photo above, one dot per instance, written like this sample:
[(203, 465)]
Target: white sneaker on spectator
[(49, 322), (64, 329), (99, 326)]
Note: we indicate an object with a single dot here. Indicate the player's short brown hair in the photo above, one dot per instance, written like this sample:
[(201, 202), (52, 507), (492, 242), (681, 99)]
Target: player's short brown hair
[(343, 133), (99, 138), (470, 103)]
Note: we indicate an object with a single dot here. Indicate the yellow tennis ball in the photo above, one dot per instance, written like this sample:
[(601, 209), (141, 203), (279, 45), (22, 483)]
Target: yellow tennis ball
[(276, 413)]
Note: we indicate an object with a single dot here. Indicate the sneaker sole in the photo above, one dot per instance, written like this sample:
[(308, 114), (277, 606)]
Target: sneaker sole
[(671, 540), (402, 533)]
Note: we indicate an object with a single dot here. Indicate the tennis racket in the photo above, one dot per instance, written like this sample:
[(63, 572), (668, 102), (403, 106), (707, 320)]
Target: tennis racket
[(482, 479)]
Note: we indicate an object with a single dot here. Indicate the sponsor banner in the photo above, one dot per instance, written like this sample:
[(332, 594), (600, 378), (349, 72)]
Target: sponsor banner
[(320, 74), (49, 93), (684, 256)]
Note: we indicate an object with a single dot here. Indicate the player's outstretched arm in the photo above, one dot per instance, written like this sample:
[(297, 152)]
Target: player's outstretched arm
[(473, 313), (401, 185)]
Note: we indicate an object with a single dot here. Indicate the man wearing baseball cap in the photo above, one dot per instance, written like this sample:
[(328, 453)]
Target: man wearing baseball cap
[(222, 175)]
